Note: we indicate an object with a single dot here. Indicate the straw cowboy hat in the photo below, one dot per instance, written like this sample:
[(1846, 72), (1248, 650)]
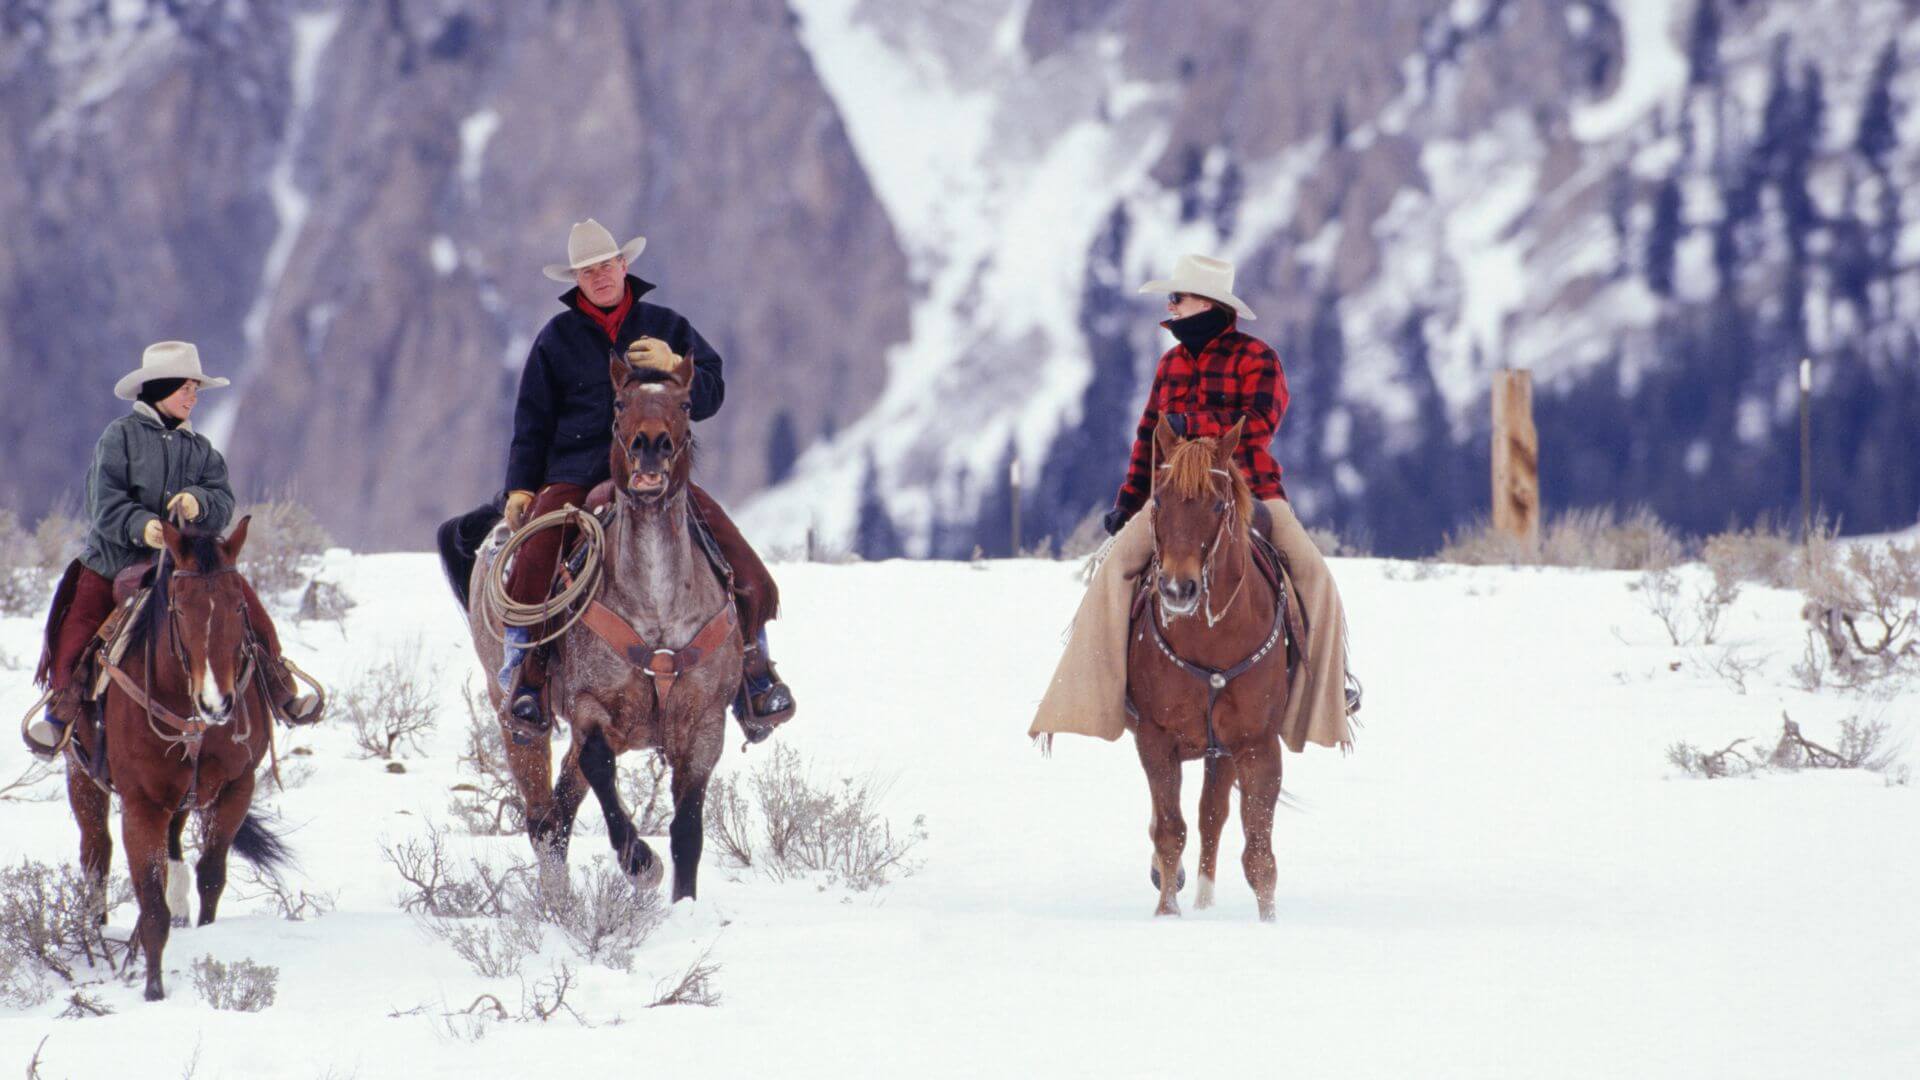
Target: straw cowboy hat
[(165, 360), (1201, 276), (589, 243)]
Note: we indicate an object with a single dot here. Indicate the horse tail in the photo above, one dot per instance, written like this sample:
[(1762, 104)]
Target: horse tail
[(260, 845)]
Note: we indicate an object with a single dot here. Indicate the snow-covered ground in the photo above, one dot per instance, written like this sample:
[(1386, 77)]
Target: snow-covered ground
[(1504, 880)]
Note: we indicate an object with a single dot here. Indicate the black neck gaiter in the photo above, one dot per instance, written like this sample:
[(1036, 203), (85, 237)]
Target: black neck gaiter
[(1195, 331)]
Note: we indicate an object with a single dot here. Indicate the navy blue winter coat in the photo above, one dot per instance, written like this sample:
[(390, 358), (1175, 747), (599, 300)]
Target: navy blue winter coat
[(563, 420)]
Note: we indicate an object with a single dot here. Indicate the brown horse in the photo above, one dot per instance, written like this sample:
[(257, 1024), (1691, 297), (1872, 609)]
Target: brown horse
[(1207, 665), (186, 721), (656, 659)]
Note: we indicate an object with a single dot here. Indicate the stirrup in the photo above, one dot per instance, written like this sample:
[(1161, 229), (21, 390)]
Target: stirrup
[(40, 750), (295, 673), (526, 716)]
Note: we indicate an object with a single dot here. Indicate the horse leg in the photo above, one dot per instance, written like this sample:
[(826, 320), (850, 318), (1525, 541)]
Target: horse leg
[(90, 806), (688, 832), (143, 831), (224, 819), (1215, 794), (553, 833), (1259, 797), (637, 860), (532, 769), (179, 902), (1160, 756)]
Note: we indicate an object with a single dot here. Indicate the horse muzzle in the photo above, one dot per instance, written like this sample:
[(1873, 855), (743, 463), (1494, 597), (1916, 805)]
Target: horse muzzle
[(1179, 597), (647, 486)]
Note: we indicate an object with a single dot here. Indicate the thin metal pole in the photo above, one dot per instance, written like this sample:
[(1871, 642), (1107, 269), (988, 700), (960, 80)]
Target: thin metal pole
[(1806, 450)]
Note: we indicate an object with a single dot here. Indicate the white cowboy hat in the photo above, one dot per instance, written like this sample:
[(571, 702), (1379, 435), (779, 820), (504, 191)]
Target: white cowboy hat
[(590, 243), (1201, 276), (165, 360)]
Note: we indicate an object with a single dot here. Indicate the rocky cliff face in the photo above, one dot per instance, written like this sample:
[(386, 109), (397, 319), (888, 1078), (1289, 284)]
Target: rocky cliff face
[(348, 205), (914, 228)]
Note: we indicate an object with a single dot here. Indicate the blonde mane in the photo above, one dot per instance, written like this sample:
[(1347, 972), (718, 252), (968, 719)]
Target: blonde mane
[(1189, 474)]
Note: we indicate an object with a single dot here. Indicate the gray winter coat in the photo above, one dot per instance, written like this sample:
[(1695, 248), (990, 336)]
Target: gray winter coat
[(137, 466)]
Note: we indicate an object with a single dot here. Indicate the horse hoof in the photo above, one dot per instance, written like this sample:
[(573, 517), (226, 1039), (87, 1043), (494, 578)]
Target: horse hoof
[(1179, 880), (648, 878), (180, 922), (155, 993)]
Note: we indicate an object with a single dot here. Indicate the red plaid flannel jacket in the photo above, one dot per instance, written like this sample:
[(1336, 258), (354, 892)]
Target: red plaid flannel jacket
[(1235, 375)]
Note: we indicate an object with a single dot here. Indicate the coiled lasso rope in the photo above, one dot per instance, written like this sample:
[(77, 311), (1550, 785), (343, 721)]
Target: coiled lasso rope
[(498, 611)]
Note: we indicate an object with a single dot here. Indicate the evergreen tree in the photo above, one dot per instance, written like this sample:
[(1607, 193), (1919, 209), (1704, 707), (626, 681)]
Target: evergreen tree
[(783, 446), (874, 535), (1703, 45), (1878, 135), (1663, 237)]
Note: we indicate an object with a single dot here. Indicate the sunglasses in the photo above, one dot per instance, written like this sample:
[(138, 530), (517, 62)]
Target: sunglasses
[(1175, 298)]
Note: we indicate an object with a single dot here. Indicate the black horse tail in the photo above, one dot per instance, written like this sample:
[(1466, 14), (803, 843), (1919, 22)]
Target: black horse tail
[(260, 845)]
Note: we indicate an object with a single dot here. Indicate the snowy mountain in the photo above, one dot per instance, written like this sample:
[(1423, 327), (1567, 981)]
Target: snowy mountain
[(1504, 880), (914, 227)]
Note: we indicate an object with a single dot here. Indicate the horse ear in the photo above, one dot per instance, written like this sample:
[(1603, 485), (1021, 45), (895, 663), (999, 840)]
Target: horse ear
[(236, 539), (170, 538), (1164, 440), (617, 367), (1223, 450)]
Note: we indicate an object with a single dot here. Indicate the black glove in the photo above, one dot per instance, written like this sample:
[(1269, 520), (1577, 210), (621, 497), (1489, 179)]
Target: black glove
[(1114, 520)]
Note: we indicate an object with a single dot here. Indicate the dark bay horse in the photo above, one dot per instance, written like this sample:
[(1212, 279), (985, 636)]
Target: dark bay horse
[(655, 661), (186, 721), (1207, 665)]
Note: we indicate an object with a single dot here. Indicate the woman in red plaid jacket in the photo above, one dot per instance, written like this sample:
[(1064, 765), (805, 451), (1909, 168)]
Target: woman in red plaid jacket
[(1213, 377)]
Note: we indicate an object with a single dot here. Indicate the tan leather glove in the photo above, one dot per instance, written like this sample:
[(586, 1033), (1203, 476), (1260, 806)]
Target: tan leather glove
[(653, 353), (518, 504), (153, 535), (185, 505)]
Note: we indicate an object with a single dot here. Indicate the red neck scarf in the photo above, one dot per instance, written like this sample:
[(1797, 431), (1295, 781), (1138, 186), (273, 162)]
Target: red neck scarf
[(608, 321)]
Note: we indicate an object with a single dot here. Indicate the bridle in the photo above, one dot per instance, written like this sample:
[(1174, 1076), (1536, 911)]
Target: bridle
[(188, 733), (1216, 679)]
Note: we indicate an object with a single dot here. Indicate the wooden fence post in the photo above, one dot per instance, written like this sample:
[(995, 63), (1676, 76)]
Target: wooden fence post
[(1516, 456)]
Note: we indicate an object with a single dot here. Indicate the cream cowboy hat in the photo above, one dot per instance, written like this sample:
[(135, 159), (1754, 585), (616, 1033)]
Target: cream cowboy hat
[(165, 360), (1201, 276), (589, 243)]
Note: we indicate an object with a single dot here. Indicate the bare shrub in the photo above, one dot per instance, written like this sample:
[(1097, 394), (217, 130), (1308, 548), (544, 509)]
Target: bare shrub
[(284, 545), (28, 786), (290, 902), (648, 792), (1734, 665), (1336, 545), (1864, 744), (436, 887), (806, 827), (1688, 615), (1597, 538), (540, 1001), (324, 601), (241, 986), (59, 539), (24, 582), (49, 926), (729, 821), (1660, 589), (1086, 537), (693, 987), (1765, 554), (1864, 606), (488, 804), (392, 705), (495, 917)]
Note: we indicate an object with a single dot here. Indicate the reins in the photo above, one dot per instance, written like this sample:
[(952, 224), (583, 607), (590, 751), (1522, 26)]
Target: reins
[(1216, 679)]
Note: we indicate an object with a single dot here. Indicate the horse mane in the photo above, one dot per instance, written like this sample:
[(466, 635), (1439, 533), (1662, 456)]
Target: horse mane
[(1189, 473), (202, 547)]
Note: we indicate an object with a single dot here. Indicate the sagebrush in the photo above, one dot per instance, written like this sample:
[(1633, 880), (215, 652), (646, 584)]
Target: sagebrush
[(783, 823)]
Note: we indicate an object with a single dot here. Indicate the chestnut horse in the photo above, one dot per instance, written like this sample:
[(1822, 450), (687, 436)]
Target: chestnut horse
[(1207, 665), (186, 721), (654, 662)]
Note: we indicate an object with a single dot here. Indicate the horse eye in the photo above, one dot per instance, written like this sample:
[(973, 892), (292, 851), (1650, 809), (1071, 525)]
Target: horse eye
[(1220, 507), (686, 406)]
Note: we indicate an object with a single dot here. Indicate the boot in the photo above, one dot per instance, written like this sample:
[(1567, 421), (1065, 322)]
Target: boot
[(763, 701), (47, 734), (295, 708), (1353, 694), (527, 713)]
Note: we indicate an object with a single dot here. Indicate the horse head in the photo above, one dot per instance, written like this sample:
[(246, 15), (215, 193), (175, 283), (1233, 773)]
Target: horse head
[(204, 605), (652, 421), (1200, 504)]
